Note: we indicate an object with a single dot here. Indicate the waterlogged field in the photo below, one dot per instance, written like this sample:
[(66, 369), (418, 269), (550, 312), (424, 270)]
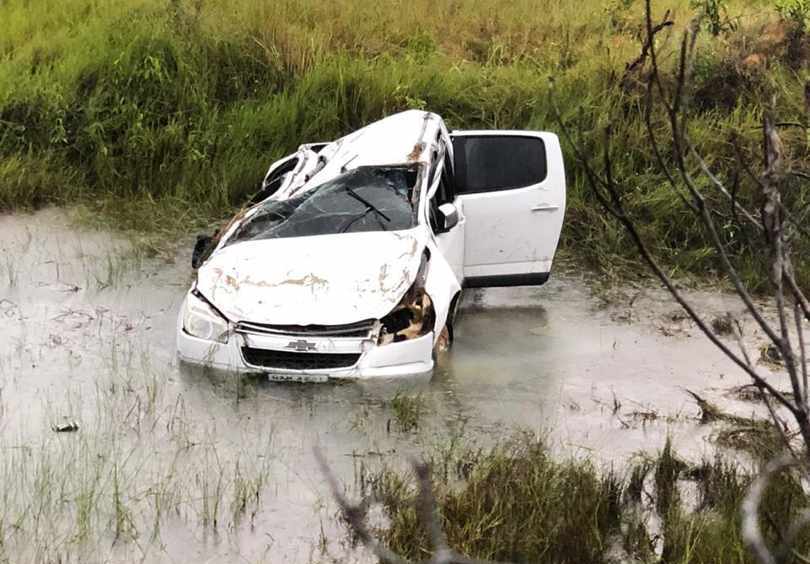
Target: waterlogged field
[(152, 119), (110, 452)]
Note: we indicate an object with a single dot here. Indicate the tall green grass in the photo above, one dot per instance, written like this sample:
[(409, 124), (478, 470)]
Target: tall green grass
[(162, 115)]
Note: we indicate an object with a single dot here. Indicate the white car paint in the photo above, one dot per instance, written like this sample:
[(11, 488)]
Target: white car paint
[(536, 209), (314, 307), (315, 280)]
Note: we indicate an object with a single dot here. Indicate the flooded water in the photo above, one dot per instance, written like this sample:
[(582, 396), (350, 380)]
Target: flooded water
[(176, 465)]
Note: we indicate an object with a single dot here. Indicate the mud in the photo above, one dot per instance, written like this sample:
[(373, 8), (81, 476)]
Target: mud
[(174, 465)]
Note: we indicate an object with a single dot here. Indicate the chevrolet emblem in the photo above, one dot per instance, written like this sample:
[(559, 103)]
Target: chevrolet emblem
[(301, 345)]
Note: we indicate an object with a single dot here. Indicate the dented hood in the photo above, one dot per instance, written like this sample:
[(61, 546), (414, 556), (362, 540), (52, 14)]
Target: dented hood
[(318, 280)]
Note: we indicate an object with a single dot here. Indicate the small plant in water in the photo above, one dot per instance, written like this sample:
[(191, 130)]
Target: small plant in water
[(407, 410)]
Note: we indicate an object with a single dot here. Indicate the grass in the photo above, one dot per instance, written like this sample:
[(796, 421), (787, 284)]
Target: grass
[(159, 116), (407, 410), (520, 504), (137, 464)]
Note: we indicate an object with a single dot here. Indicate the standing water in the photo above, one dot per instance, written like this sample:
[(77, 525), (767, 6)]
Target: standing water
[(109, 451)]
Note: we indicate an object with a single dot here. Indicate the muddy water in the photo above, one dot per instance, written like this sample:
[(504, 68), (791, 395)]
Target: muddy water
[(174, 465)]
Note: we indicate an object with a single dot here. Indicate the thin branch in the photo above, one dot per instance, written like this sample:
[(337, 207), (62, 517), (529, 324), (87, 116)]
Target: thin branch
[(647, 45), (798, 295), (719, 185), (355, 516), (751, 532), (662, 165), (772, 221), (790, 124), (429, 516), (656, 75), (778, 422), (429, 513), (797, 315), (796, 223), (800, 174)]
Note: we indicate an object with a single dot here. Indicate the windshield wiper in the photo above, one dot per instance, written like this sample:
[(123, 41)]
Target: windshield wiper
[(358, 218), (368, 204)]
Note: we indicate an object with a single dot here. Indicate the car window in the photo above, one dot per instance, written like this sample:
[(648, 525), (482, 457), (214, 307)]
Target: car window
[(364, 199), (448, 179), (490, 163)]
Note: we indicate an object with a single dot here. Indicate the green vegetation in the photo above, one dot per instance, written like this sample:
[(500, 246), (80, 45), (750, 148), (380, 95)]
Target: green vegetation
[(521, 504), (109, 490), (407, 410), (159, 116)]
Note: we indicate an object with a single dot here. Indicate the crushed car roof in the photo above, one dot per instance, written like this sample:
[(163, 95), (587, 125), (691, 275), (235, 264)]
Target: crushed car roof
[(397, 139)]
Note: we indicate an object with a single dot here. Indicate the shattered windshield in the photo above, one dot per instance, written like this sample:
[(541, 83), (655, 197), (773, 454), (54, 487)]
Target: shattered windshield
[(364, 199)]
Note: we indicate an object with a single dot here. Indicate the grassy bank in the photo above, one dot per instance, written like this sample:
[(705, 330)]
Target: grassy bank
[(518, 503), (161, 115)]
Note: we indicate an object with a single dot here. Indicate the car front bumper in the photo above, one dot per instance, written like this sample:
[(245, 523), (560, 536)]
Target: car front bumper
[(405, 358)]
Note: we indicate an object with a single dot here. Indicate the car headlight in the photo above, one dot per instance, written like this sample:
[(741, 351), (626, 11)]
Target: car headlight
[(201, 321), (413, 317)]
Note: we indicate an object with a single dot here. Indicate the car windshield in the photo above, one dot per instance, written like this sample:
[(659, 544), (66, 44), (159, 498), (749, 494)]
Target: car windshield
[(363, 199)]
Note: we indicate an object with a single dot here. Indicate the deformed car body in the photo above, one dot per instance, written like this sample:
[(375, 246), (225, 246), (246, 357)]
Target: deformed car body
[(351, 260)]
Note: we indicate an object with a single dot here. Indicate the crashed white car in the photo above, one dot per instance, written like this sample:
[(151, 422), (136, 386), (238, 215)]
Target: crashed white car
[(351, 261)]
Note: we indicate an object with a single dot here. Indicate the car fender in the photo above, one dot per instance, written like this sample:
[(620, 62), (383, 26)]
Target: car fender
[(441, 285)]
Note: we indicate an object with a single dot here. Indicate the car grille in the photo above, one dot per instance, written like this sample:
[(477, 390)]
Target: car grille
[(298, 360), (360, 329)]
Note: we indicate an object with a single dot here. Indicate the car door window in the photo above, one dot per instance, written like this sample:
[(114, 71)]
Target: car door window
[(448, 180), (494, 163)]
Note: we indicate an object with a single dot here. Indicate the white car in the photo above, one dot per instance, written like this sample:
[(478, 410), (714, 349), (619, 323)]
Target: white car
[(351, 261)]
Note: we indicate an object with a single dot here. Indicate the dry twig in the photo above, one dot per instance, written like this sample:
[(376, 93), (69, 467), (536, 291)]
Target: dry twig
[(355, 517)]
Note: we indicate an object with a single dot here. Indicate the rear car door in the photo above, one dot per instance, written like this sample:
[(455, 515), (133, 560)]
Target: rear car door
[(512, 188)]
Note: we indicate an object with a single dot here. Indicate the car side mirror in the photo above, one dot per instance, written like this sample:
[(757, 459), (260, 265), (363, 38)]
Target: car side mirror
[(448, 217), (202, 248)]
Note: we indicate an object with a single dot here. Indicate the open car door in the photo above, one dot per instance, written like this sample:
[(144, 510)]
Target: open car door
[(512, 189)]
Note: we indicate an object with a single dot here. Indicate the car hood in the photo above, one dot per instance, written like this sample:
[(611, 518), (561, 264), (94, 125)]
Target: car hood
[(317, 280)]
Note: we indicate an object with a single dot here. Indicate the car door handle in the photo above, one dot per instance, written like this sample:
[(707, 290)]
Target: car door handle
[(545, 207)]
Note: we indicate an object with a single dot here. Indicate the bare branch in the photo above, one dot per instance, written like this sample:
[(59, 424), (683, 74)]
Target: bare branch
[(721, 187), (774, 231), (429, 513), (797, 315), (751, 533), (355, 516), (662, 165), (427, 509), (647, 45), (778, 422), (656, 75), (798, 295)]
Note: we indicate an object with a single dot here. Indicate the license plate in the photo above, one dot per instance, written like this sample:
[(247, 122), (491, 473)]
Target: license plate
[(281, 377)]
